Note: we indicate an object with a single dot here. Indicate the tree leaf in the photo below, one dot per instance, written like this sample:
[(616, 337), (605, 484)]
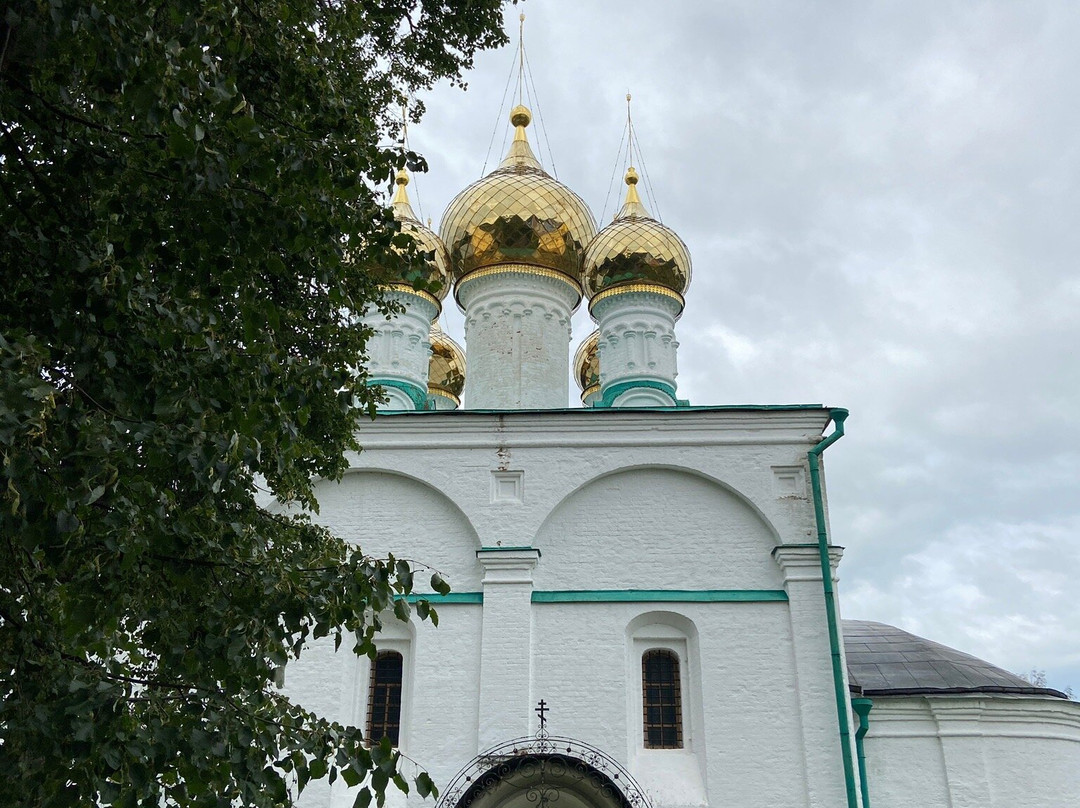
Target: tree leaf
[(425, 787), (176, 351), (439, 585)]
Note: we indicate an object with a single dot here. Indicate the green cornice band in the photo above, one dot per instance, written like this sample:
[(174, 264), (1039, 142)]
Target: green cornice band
[(623, 596), (683, 406), (450, 597), (660, 596)]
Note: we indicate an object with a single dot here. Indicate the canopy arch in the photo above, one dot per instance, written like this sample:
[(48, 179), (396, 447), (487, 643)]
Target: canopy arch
[(544, 772)]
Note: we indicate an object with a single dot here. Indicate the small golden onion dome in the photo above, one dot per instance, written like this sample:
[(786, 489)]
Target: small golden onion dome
[(518, 215), (636, 252), (587, 365), (434, 273), (446, 370)]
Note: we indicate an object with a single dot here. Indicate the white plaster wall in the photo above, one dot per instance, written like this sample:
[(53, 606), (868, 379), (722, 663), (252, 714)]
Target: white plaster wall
[(740, 703), (440, 705), (448, 698), (613, 500), (979, 750), (655, 528), (759, 457), (741, 725), (625, 500), (752, 717), (581, 674), (385, 512), (321, 681)]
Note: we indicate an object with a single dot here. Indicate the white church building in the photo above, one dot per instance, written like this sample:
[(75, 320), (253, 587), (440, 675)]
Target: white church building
[(643, 612)]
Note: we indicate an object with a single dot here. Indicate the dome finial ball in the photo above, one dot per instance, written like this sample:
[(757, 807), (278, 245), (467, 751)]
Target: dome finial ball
[(520, 116), (631, 176)]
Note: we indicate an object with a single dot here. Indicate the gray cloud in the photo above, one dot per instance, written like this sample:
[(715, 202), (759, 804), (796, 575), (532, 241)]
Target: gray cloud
[(881, 201)]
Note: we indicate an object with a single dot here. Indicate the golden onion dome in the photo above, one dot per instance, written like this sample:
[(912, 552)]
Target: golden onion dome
[(636, 253), (518, 215), (587, 365), (446, 370), (433, 275)]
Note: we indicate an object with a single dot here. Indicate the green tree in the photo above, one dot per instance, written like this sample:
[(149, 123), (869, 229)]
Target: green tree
[(190, 193)]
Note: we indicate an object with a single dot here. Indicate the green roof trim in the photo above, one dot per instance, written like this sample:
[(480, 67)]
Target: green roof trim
[(451, 597), (660, 596), (608, 396), (418, 397), (502, 549), (688, 408), (619, 595)]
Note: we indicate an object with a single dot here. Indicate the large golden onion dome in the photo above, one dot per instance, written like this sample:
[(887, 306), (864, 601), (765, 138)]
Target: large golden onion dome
[(432, 276), (587, 366), (446, 370), (636, 253), (518, 216)]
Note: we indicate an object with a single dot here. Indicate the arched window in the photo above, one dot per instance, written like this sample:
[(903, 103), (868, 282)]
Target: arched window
[(661, 699), (384, 698)]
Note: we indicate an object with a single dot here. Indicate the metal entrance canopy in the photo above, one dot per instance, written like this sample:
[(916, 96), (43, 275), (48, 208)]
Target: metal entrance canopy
[(542, 770)]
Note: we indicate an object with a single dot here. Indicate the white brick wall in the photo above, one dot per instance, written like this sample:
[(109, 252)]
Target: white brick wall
[(621, 500), (968, 751)]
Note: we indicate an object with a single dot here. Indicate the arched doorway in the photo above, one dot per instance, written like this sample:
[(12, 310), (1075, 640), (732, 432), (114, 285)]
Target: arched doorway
[(546, 772)]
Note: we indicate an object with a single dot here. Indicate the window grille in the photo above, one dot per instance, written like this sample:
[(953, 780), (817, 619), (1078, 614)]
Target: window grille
[(384, 698), (661, 700)]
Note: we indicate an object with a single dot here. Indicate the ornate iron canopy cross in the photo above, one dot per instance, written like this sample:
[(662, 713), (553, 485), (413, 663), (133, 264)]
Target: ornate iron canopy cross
[(542, 710)]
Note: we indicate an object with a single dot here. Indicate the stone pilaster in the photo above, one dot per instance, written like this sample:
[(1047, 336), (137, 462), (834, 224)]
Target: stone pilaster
[(962, 736), (506, 644), (801, 566)]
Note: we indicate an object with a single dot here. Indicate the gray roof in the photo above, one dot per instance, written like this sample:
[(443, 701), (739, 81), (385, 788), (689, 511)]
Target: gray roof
[(886, 661)]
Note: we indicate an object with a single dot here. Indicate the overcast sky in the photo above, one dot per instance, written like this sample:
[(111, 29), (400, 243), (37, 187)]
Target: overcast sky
[(883, 209)]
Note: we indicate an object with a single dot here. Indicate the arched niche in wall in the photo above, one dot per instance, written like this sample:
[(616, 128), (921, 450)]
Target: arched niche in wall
[(395, 637), (656, 527), (673, 768), (386, 512)]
